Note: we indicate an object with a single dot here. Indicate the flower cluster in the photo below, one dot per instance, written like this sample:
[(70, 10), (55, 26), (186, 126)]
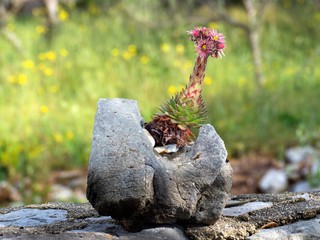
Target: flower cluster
[(208, 42)]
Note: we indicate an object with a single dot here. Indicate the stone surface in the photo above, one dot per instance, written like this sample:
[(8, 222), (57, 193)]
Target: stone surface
[(302, 163), (134, 184), (298, 154), (119, 178), (245, 208), (225, 228), (303, 186), (305, 229), (274, 181), (32, 217), (293, 215), (8, 193)]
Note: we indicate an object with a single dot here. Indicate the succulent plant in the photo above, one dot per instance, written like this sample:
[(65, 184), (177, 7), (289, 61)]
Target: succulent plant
[(185, 112)]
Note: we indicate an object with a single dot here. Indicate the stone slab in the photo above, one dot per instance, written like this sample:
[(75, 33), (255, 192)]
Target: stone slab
[(292, 216), (303, 229), (245, 208)]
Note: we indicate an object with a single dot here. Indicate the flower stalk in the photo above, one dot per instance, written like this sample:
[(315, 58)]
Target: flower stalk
[(186, 111)]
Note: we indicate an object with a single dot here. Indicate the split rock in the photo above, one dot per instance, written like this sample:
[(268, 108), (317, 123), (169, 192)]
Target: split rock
[(134, 184)]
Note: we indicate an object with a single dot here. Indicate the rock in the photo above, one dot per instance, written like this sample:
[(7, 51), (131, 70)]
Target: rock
[(64, 221), (73, 179), (298, 154), (134, 184), (303, 163), (8, 193), (151, 139), (32, 217), (248, 170), (302, 186), (225, 228), (60, 193), (274, 181), (81, 221), (245, 208), (306, 229)]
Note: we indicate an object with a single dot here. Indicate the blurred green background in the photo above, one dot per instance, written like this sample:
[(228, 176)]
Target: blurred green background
[(49, 86)]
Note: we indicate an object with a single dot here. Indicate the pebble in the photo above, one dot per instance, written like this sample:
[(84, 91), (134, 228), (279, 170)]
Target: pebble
[(274, 181)]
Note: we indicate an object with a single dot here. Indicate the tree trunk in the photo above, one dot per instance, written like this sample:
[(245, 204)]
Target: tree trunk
[(10, 36), (254, 40)]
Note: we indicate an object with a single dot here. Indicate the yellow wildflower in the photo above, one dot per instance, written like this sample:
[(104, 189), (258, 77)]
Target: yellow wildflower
[(207, 80), (127, 55), (180, 49), (172, 89), (69, 135), (144, 59), (40, 29), (51, 56), (165, 47), (63, 15), (53, 88), (115, 52), (289, 71), (58, 137), (44, 109), (132, 49), (241, 82), (35, 152), (64, 52), (213, 25), (22, 79), (48, 72), (28, 64)]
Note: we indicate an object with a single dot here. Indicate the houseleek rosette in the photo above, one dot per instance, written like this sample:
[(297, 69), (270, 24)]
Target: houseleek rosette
[(185, 112)]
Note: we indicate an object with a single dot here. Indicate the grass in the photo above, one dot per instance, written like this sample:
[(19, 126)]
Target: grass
[(50, 90)]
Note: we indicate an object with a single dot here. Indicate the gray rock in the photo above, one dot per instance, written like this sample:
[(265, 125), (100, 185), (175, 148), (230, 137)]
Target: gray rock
[(303, 162), (305, 229), (274, 181), (81, 221), (298, 154), (134, 184), (8, 193), (245, 208), (32, 217), (303, 186), (64, 236), (170, 232)]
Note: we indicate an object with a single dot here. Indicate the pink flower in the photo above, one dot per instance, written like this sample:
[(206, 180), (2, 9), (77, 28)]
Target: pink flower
[(204, 47), (208, 42), (220, 45), (217, 37), (195, 32)]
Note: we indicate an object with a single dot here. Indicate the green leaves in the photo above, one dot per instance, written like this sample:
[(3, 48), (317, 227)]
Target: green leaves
[(188, 112)]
